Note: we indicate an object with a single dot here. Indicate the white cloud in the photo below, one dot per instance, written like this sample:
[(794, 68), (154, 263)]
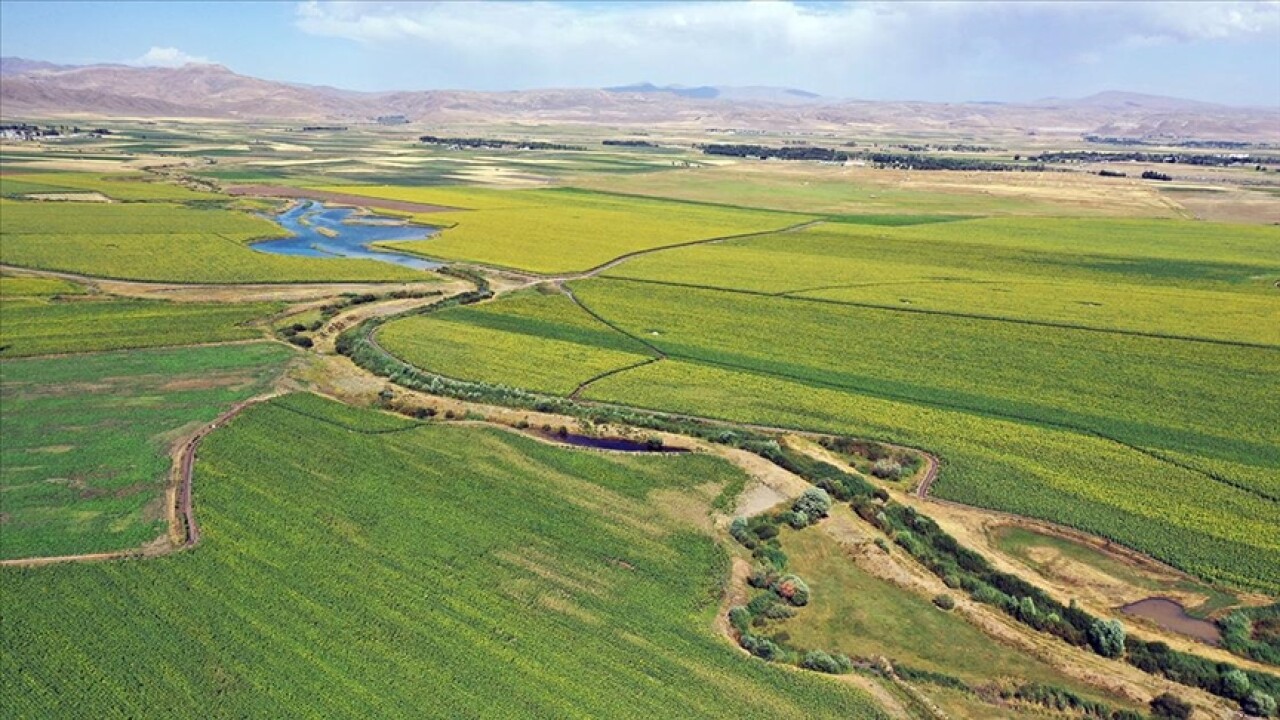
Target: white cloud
[(542, 24), (836, 48), (169, 57)]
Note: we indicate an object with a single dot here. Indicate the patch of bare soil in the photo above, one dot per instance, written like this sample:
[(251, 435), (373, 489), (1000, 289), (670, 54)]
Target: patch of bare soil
[(93, 197)]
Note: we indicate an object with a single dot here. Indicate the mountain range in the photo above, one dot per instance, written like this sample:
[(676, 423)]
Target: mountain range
[(32, 89)]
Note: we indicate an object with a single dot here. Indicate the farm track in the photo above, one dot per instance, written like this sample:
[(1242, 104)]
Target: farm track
[(186, 469), (219, 292), (183, 531)]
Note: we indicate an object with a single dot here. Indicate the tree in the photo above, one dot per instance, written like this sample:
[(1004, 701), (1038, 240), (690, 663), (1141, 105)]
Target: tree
[(814, 503), (1259, 704), (1107, 638), (794, 590), (1235, 684), (1166, 705)]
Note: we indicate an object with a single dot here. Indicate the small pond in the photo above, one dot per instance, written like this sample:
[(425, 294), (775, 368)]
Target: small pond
[(1169, 615), (320, 231), (610, 443)]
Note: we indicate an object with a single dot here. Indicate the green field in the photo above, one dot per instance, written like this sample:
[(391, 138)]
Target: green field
[(1060, 428), (16, 286), (860, 615), (84, 440), (436, 571), (36, 326), (123, 187), (165, 242), (532, 340), (557, 231), (1155, 277)]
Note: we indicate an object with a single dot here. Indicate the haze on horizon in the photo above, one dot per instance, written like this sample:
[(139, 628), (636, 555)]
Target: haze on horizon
[(1227, 52)]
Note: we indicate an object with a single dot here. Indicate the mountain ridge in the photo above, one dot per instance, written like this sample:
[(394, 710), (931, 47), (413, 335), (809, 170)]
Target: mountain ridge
[(35, 89)]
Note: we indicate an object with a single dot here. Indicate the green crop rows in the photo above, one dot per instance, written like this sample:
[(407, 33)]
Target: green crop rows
[(542, 342), (164, 242), (118, 187), (432, 572), (550, 231), (84, 440), (1061, 426), (41, 327), (1153, 277)]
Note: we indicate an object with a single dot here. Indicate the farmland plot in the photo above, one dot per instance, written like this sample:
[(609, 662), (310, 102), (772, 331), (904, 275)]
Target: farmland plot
[(356, 574)]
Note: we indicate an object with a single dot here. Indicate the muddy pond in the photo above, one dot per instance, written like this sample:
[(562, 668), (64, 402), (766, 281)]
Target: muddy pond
[(320, 231), (611, 443), (1169, 615)]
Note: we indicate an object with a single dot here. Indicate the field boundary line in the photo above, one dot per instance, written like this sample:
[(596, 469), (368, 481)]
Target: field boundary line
[(183, 530), (609, 373), (934, 403), (923, 311)]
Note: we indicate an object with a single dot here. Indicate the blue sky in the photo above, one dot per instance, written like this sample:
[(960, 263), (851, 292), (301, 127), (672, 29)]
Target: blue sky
[(945, 51)]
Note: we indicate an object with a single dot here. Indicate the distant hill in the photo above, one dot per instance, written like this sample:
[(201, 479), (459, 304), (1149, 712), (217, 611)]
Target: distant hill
[(764, 94), (33, 89), (17, 65)]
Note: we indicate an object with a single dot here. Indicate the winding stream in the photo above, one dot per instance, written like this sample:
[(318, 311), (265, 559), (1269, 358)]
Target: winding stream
[(320, 231)]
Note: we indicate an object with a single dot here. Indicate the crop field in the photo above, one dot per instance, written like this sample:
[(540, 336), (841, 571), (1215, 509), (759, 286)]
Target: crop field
[(541, 342), (823, 189), (1075, 441), (35, 326), (15, 286), (1072, 348), (554, 231), (85, 440), (1163, 279), (362, 573), (165, 242), (1206, 527), (123, 187)]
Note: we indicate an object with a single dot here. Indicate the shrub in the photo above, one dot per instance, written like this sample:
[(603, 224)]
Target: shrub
[(799, 521), (944, 601), (1235, 684), (1259, 704), (762, 577), (825, 662), (739, 618), (771, 555), (738, 530), (301, 341), (763, 648), (1167, 705), (778, 611), (814, 503), (1107, 638), (760, 603), (887, 469), (653, 443), (794, 590)]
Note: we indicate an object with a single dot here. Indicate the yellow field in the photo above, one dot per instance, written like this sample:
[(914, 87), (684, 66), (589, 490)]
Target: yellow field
[(559, 231)]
